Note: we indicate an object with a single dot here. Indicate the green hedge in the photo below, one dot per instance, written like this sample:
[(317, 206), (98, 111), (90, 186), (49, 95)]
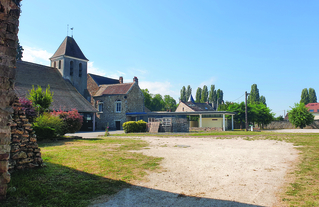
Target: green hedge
[(44, 132), (134, 126)]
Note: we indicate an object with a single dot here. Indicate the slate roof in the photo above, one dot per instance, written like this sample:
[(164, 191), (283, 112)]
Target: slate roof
[(69, 48), (65, 96), (199, 106), (100, 80), (114, 89)]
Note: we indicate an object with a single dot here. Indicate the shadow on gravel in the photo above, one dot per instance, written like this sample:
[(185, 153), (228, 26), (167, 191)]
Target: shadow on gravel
[(137, 196)]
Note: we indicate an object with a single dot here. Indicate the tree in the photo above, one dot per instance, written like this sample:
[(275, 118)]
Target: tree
[(19, 52), (183, 94), (212, 98), (204, 96), (157, 103), (219, 96), (299, 115), (312, 96), (198, 95), (262, 100), (304, 96), (188, 92), (254, 95), (169, 103), (261, 114), (9, 18), (40, 99), (239, 108), (147, 98)]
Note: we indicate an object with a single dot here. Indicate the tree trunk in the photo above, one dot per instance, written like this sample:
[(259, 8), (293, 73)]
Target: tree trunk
[(9, 22)]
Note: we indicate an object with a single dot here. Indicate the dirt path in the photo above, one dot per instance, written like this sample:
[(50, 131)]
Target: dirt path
[(211, 172)]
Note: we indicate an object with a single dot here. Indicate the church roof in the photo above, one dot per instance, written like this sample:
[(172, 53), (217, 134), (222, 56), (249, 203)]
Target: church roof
[(114, 89), (100, 80), (65, 96), (69, 48)]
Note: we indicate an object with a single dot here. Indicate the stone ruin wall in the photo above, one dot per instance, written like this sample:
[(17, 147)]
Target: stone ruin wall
[(288, 125), (25, 152)]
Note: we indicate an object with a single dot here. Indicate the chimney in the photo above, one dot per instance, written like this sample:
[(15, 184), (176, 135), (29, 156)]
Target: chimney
[(121, 79), (135, 80)]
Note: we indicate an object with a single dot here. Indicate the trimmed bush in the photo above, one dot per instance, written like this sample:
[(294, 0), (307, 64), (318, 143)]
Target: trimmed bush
[(134, 126), (72, 120), (47, 126)]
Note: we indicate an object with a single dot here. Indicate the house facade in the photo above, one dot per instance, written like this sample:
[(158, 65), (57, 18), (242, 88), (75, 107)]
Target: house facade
[(114, 101), (314, 109)]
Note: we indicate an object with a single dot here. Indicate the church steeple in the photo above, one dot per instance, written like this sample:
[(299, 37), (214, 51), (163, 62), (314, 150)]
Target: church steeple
[(72, 64)]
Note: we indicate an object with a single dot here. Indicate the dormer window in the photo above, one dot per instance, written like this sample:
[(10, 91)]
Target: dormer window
[(80, 70), (118, 106), (71, 68)]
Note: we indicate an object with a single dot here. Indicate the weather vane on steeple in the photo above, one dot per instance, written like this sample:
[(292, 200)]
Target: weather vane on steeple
[(67, 31)]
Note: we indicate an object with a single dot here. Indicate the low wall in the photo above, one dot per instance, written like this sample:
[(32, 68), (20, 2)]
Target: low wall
[(25, 152), (287, 125), (205, 129)]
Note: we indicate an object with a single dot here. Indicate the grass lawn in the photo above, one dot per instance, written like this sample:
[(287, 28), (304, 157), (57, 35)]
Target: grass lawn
[(80, 170)]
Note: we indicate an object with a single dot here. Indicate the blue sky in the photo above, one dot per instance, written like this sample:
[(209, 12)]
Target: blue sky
[(168, 44)]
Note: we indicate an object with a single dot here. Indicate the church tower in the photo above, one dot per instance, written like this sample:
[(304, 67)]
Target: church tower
[(72, 64)]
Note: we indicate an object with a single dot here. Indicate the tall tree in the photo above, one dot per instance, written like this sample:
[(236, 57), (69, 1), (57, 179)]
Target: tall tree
[(212, 95), (183, 94), (19, 52), (219, 96), (304, 96), (254, 95), (9, 20), (198, 95), (262, 100), (312, 96), (204, 96), (188, 92)]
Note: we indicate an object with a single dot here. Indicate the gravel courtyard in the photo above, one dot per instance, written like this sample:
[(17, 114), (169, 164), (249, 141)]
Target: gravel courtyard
[(211, 172)]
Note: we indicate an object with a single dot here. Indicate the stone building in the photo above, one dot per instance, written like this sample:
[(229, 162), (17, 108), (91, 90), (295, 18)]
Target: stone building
[(72, 64), (114, 101)]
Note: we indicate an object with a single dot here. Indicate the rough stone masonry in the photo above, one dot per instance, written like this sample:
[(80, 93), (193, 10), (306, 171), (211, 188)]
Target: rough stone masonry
[(9, 22)]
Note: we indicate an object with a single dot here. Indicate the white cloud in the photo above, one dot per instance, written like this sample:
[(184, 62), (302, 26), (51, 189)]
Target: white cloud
[(36, 55), (95, 70), (207, 82), (163, 88)]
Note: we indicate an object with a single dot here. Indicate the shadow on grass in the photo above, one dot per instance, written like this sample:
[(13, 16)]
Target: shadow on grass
[(57, 185)]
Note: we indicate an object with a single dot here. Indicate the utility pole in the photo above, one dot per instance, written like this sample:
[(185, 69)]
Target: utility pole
[(246, 120)]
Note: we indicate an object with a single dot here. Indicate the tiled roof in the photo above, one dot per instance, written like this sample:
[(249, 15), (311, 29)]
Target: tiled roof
[(100, 80), (313, 106), (199, 106), (69, 48), (65, 96), (114, 89)]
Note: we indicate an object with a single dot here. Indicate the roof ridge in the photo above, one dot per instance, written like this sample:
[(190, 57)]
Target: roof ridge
[(30, 63)]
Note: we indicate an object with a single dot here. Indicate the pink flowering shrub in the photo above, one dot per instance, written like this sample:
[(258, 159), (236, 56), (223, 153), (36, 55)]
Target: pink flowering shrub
[(72, 120), (27, 106)]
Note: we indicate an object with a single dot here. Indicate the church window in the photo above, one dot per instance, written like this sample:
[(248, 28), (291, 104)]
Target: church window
[(80, 70), (118, 106), (71, 68), (54, 64), (59, 64), (100, 105)]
